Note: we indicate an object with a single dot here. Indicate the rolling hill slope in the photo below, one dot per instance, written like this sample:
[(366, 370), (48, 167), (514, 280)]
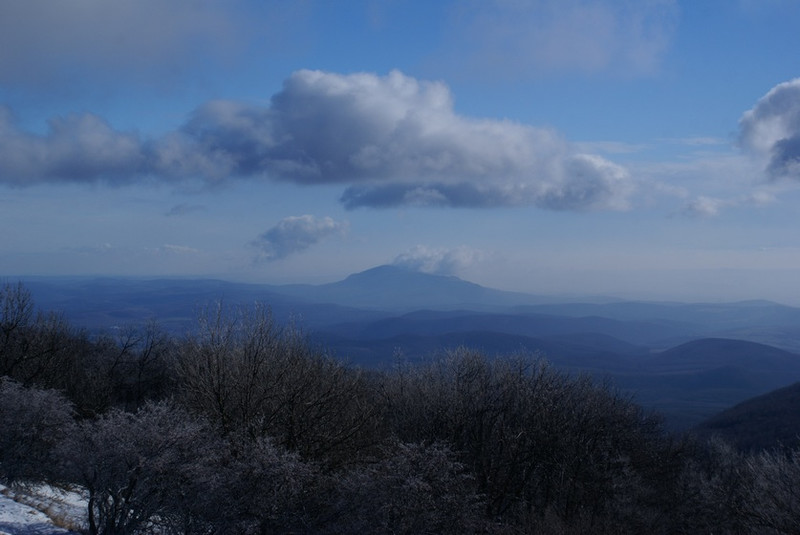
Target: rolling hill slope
[(768, 421), (697, 379)]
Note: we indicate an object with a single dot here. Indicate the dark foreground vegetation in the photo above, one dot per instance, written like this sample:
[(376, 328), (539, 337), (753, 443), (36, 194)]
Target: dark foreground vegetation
[(245, 427)]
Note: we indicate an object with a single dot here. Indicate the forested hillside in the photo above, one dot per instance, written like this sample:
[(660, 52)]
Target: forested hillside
[(768, 421), (244, 426)]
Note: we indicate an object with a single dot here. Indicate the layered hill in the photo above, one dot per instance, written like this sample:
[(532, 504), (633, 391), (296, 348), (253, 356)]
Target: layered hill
[(692, 381), (764, 422), (688, 360)]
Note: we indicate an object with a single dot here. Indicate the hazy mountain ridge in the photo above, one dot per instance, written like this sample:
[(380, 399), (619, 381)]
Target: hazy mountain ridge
[(635, 332), (680, 358), (740, 314), (107, 303), (588, 353)]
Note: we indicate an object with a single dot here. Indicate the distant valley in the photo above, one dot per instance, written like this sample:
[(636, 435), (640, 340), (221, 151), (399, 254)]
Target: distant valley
[(688, 361)]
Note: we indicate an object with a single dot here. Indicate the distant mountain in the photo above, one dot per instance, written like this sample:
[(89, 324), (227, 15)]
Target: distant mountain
[(764, 422), (757, 321), (671, 356), (737, 315), (371, 294), (105, 303), (399, 289), (387, 291), (712, 352)]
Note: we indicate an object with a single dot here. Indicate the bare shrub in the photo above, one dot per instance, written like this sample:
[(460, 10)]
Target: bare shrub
[(32, 423), (133, 466), (247, 485), (412, 489), (249, 376)]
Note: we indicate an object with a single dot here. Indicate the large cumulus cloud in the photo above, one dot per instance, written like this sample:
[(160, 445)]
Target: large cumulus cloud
[(771, 130), (389, 140)]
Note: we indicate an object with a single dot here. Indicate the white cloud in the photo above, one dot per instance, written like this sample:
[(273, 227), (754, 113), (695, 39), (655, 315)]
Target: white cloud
[(438, 261), (771, 130), (295, 234), (722, 175), (394, 140), (707, 207), (704, 207), (760, 198), (531, 38)]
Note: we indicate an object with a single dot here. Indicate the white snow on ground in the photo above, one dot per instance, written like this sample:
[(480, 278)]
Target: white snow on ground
[(17, 518)]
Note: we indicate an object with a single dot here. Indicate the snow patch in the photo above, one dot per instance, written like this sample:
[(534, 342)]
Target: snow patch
[(22, 512)]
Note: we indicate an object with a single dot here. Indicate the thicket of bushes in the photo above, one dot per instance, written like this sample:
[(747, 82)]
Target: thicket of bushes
[(244, 427)]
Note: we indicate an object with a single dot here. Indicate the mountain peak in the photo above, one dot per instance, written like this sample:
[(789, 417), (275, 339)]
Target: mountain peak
[(392, 272), (392, 287)]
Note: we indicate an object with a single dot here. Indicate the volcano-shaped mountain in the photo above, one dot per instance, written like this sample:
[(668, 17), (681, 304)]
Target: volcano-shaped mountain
[(399, 289)]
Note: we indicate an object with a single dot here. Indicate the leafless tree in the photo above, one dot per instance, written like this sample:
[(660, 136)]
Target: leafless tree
[(540, 443), (247, 375), (35, 348), (772, 503)]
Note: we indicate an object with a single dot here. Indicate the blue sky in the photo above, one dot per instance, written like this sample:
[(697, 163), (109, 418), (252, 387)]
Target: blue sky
[(646, 149)]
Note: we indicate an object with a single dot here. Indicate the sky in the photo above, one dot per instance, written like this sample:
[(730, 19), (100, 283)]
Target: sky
[(644, 149)]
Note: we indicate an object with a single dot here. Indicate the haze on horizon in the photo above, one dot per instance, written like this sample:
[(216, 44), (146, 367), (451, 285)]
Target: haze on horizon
[(644, 149)]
